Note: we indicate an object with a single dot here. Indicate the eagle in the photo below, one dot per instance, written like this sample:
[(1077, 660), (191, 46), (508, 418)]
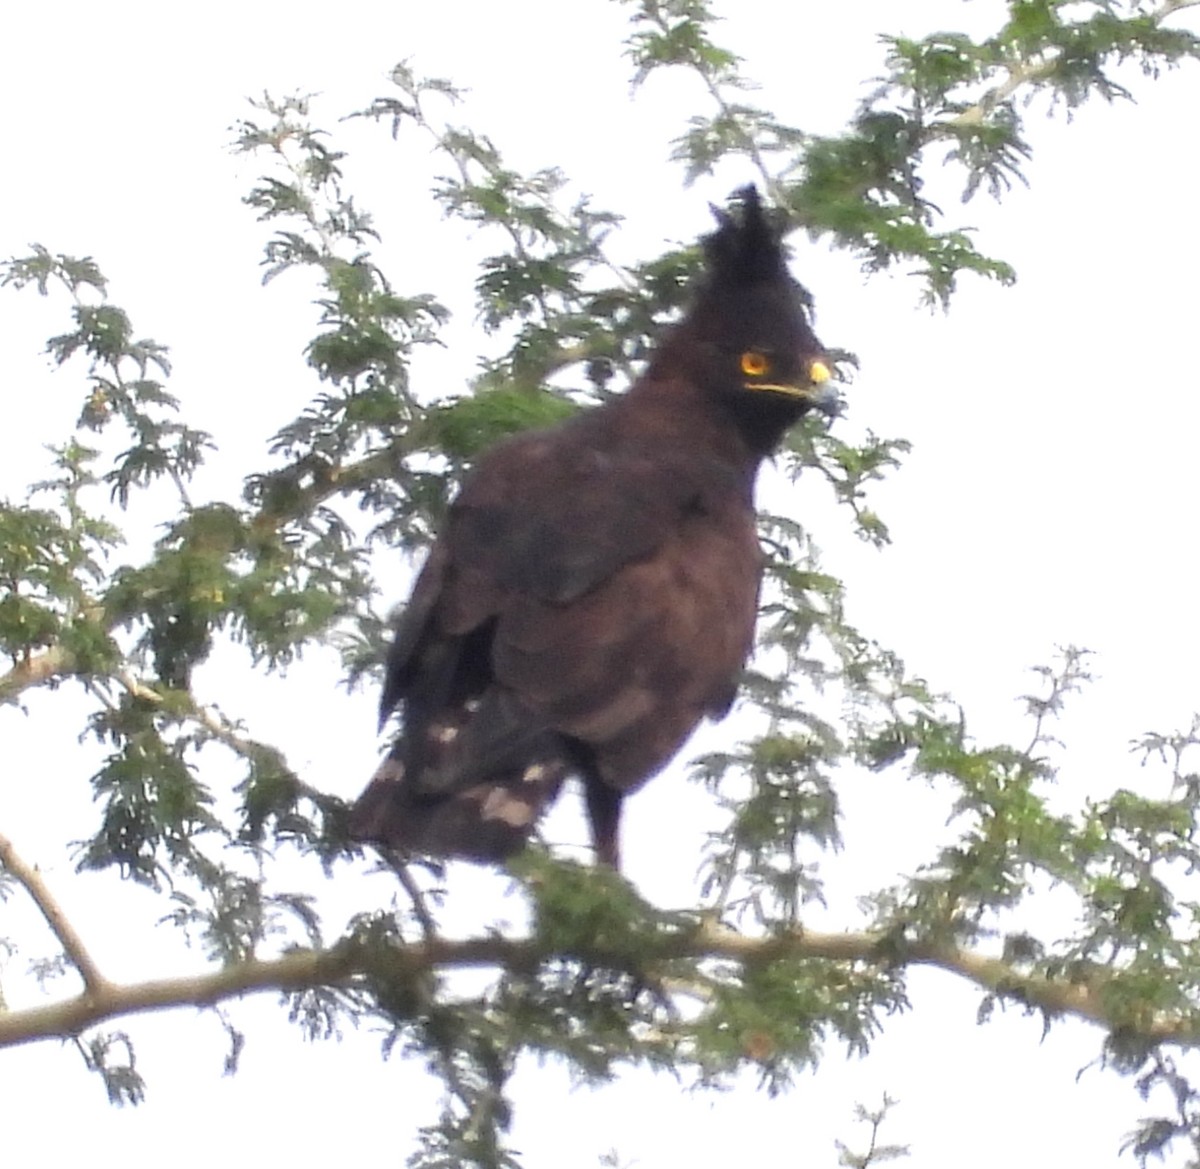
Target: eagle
[(592, 595)]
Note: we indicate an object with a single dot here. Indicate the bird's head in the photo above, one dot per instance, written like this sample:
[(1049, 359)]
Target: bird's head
[(750, 323)]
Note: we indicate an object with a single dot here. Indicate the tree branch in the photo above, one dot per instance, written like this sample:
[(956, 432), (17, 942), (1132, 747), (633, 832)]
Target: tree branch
[(95, 984), (219, 727), (1018, 74), (1023, 71), (343, 963), (34, 671)]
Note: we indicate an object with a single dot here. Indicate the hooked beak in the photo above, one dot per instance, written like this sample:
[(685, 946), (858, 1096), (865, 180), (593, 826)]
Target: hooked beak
[(820, 393)]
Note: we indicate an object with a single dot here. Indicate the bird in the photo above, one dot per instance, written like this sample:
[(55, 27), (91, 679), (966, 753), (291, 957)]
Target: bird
[(593, 592)]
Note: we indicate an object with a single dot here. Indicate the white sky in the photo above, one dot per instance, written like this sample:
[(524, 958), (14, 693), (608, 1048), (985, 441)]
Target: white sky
[(1049, 499)]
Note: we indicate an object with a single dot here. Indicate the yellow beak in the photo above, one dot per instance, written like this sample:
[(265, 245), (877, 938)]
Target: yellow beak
[(818, 374)]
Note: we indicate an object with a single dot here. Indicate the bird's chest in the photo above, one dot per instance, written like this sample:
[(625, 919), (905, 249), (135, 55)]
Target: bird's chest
[(686, 618), (715, 564)]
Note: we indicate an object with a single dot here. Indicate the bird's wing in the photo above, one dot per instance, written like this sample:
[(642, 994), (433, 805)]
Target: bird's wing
[(547, 515), (623, 584)]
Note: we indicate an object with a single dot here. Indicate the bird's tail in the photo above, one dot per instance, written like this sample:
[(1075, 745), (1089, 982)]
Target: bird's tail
[(488, 821)]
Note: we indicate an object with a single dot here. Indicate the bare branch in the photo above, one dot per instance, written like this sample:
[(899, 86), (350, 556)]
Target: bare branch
[(96, 985), (343, 963)]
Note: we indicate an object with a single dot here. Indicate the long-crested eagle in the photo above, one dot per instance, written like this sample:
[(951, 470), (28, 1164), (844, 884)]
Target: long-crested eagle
[(593, 593)]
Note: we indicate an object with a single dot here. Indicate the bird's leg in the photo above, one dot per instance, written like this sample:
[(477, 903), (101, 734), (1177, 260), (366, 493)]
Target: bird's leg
[(604, 812)]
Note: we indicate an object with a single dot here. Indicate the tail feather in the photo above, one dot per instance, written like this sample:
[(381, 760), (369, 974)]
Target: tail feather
[(488, 821)]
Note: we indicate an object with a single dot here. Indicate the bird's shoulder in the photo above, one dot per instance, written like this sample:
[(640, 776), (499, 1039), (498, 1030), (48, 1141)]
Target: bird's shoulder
[(555, 512)]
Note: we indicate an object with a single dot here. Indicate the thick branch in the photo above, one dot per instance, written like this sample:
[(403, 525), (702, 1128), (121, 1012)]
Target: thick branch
[(339, 966), (299, 970), (34, 672), (94, 982)]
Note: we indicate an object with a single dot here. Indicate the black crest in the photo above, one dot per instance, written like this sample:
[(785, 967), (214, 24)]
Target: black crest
[(747, 247)]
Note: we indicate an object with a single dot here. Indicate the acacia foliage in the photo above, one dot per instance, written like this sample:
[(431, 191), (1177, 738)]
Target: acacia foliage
[(602, 979)]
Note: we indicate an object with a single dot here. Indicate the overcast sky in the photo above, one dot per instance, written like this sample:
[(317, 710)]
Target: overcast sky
[(1049, 499)]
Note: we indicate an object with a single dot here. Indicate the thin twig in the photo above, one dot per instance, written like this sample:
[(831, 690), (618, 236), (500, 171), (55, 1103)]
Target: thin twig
[(416, 895), (748, 142), (219, 727), (95, 983)]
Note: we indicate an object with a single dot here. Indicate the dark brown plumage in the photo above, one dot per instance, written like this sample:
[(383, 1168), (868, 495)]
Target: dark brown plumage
[(593, 594)]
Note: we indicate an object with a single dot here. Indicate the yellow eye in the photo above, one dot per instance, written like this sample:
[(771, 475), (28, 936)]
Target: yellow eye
[(819, 373), (754, 364)]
